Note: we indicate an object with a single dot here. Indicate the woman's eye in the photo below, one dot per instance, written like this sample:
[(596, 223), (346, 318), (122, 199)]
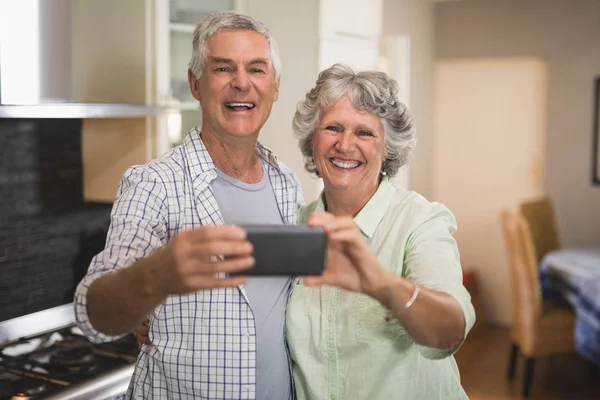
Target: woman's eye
[(365, 133), (333, 128)]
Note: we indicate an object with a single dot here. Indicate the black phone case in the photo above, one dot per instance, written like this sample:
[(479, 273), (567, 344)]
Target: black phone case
[(286, 250)]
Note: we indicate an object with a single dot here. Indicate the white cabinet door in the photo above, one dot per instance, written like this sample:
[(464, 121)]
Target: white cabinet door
[(394, 59), (355, 52), (351, 18)]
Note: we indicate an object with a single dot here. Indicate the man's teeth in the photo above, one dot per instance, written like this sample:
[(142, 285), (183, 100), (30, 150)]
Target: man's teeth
[(233, 105), (345, 164)]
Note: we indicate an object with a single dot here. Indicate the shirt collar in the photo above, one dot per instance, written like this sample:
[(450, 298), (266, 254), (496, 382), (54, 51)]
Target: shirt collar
[(201, 164), (372, 213)]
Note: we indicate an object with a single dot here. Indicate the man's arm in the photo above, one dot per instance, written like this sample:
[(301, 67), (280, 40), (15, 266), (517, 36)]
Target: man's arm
[(118, 302), (139, 267), (138, 228)]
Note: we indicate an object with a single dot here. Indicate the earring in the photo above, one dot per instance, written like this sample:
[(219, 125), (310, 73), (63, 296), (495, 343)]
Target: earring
[(383, 173)]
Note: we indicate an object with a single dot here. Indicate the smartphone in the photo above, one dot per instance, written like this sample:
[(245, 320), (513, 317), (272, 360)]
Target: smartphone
[(286, 250)]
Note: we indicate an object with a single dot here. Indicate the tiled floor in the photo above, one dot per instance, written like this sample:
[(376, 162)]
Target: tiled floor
[(483, 363)]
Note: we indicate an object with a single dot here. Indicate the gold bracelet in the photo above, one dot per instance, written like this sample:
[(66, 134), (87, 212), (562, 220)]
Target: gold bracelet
[(412, 298)]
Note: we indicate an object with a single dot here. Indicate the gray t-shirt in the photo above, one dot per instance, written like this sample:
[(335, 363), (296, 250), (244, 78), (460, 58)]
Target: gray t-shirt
[(243, 203)]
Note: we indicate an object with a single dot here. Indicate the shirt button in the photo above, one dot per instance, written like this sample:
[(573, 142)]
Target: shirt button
[(246, 335), (247, 388)]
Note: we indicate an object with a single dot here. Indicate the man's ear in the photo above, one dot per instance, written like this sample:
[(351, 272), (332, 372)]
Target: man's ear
[(276, 94), (193, 82)]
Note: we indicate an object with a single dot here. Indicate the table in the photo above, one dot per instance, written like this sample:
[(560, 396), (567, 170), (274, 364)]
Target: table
[(573, 274)]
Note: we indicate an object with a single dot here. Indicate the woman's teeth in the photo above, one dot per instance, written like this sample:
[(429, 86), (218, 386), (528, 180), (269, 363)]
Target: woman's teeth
[(345, 164)]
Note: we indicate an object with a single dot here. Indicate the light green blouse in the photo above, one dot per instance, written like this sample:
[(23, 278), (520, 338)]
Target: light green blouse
[(344, 346)]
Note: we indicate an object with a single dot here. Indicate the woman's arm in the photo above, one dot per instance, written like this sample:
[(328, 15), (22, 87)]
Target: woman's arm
[(434, 318)]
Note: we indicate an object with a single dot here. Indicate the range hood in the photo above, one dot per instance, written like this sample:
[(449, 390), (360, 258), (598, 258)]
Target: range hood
[(54, 65)]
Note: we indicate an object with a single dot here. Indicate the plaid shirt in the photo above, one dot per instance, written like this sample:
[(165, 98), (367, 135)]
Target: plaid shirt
[(204, 343)]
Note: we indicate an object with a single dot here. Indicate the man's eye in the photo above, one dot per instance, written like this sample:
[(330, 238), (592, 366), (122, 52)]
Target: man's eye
[(222, 69), (257, 71)]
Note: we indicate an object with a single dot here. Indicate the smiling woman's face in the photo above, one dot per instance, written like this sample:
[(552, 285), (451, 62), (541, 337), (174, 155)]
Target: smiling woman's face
[(348, 147)]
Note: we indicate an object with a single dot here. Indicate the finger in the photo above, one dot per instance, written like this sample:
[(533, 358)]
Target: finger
[(216, 283), (318, 218), (207, 249), (329, 222), (143, 330), (228, 266), (319, 280), (340, 223), (344, 236), (220, 232)]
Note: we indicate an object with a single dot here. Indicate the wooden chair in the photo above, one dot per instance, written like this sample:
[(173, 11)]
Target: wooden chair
[(538, 329), (540, 216)]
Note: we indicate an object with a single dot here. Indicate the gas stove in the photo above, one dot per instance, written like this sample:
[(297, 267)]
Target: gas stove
[(63, 364)]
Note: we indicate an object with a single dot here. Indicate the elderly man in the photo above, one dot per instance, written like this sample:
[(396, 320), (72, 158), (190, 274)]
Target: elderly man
[(213, 336)]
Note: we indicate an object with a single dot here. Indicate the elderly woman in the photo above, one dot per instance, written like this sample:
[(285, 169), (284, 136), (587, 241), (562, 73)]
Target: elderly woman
[(390, 310)]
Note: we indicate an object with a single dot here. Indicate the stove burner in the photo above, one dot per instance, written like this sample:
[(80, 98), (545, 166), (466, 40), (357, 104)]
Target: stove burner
[(20, 396), (18, 387), (71, 357), (58, 360)]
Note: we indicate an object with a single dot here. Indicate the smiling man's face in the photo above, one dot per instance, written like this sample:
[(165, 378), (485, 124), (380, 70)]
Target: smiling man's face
[(237, 88)]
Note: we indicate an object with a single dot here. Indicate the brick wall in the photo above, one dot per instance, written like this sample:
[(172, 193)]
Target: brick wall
[(48, 234)]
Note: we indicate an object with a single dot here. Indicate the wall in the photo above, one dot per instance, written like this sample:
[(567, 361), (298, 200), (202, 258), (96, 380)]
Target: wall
[(470, 151), (295, 28), (567, 34), (415, 19), (48, 234)]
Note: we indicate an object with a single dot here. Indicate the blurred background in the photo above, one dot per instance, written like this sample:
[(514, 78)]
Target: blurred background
[(504, 94)]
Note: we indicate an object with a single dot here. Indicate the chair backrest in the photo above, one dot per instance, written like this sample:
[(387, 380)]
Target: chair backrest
[(527, 294), (540, 216)]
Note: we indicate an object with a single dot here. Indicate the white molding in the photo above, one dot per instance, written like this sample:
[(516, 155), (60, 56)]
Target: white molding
[(182, 28), (395, 58)]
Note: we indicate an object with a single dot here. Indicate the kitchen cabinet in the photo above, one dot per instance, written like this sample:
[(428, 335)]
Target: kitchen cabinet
[(133, 52), (351, 18), (109, 146), (175, 21), (359, 53), (113, 63)]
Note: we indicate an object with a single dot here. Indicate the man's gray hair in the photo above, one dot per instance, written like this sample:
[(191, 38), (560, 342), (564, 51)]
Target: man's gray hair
[(229, 20), (372, 91)]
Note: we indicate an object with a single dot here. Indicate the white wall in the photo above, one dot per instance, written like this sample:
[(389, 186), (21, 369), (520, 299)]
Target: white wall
[(415, 19), (567, 34), (478, 169)]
